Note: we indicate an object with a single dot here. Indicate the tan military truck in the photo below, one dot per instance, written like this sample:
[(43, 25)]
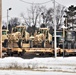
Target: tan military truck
[(42, 38), (18, 36), (4, 37)]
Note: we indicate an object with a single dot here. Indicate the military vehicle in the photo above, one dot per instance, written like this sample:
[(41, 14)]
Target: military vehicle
[(4, 37), (18, 36), (41, 37)]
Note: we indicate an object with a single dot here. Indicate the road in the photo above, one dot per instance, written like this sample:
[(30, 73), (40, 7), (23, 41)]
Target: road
[(26, 72)]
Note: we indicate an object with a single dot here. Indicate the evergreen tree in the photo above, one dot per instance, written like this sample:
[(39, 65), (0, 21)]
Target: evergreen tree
[(71, 15)]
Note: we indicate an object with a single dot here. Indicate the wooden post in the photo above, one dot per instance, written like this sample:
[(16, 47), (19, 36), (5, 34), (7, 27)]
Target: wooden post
[(0, 28)]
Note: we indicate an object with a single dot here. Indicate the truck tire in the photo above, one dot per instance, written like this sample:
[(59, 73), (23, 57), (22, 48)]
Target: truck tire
[(31, 43), (20, 43), (43, 44), (5, 44)]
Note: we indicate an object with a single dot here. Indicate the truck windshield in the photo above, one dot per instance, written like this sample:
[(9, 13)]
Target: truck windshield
[(4, 32), (19, 29)]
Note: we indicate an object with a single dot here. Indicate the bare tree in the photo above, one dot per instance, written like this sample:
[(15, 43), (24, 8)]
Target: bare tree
[(34, 15), (59, 15), (14, 22), (25, 19)]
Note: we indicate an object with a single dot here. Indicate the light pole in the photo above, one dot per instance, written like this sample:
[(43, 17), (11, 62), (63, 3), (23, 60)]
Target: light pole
[(8, 16), (55, 42)]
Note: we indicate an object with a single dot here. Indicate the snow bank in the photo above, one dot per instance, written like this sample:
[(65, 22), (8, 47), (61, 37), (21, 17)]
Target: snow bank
[(57, 64), (26, 72)]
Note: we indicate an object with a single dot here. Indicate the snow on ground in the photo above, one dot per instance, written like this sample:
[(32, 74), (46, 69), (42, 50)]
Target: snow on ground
[(59, 64), (23, 72)]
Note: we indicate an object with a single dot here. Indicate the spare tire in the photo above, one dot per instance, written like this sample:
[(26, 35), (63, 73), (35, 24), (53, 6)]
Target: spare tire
[(20, 43)]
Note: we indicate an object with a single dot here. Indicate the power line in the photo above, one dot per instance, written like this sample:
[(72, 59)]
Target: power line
[(42, 2), (61, 4), (35, 3), (26, 2)]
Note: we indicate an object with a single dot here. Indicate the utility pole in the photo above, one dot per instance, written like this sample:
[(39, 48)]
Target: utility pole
[(0, 28), (55, 42), (8, 16), (7, 19)]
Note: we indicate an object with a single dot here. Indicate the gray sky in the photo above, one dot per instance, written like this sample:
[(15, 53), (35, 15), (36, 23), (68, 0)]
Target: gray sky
[(19, 7)]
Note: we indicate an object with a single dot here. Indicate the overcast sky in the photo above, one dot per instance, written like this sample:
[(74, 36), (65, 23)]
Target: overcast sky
[(19, 6)]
